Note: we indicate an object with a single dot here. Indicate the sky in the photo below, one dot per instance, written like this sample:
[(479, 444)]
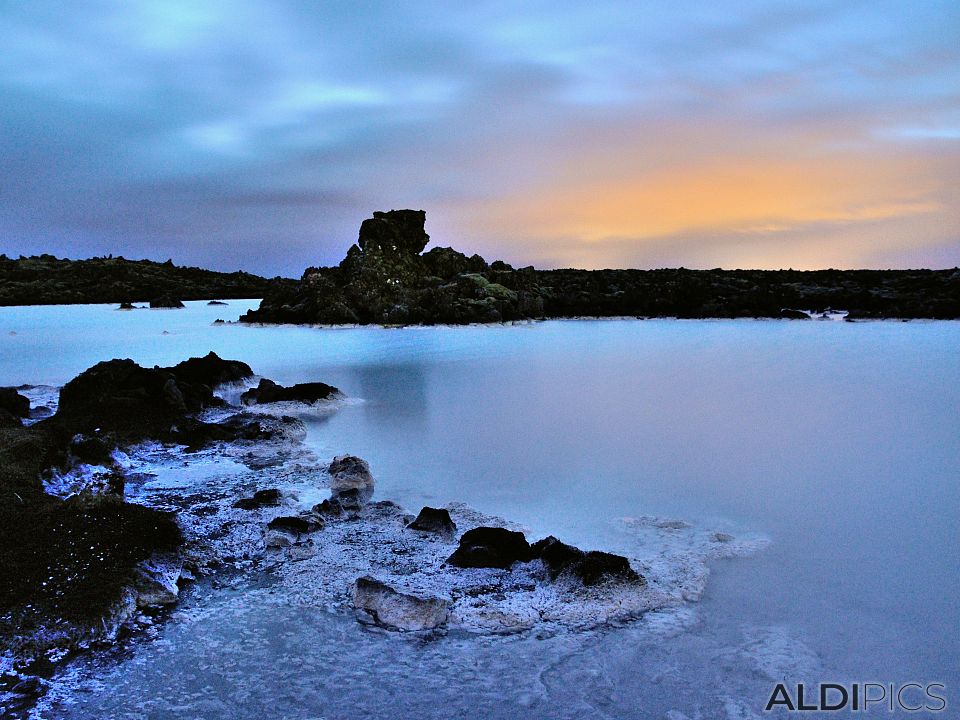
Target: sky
[(257, 135)]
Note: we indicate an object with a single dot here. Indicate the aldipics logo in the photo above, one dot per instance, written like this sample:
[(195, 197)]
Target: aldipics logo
[(859, 697)]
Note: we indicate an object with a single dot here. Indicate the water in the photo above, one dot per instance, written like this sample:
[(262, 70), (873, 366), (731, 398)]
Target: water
[(839, 441)]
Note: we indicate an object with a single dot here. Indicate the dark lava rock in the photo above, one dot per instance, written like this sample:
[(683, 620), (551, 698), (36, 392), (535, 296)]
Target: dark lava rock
[(295, 525), (591, 567), (261, 498), (126, 306), (91, 450), (491, 547), (270, 496), (268, 391), (216, 302), (330, 508), (434, 520), (211, 370), (14, 403), (166, 301), (8, 419), (789, 314)]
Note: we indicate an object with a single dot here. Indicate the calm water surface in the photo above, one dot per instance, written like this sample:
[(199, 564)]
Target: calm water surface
[(839, 441)]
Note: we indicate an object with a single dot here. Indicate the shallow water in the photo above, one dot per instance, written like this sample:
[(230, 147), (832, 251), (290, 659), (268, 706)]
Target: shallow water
[(838, 441)]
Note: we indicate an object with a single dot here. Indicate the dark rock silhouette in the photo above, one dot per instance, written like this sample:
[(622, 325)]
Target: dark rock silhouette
[(166, 301), (268, 391), (591, 568), (434, 520), (47, 280), (490, 547), (386, 278)]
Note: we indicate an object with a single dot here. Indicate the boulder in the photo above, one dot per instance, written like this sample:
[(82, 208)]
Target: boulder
[(14, 403), (126, 306), (591, 568), (348, 472), (166, 301), (789, 314), (397, 610), (434, 520), (294, 525), (216, 302), (490, 547), (268, 391), (261, 498)]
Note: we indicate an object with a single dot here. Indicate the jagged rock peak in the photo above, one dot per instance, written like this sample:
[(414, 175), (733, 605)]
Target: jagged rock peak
[(397, 231)]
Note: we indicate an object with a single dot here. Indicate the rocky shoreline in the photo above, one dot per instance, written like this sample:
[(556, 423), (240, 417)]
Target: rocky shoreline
[(47, 280), (194, 489)]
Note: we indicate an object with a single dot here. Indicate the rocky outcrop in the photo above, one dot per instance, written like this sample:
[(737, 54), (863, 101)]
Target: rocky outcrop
[(434, 520), (591, 568), (386, 278), (210, 370), (268, 391), (490, 547), (14, 403), (391, 608), (351, 481)]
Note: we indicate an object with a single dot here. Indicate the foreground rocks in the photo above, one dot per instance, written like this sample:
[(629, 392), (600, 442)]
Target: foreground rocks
[(398, 610), (78, 561), (386, 278)]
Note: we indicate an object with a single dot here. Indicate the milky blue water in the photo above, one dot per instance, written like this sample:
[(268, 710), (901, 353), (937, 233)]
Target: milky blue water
[(839, 441)]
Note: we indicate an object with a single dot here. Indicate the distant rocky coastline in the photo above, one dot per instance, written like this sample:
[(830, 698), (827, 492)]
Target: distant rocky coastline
[(47, 280), (387, 278)]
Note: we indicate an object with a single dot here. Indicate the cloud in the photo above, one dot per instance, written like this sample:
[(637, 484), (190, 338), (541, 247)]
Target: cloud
[(261, 133)]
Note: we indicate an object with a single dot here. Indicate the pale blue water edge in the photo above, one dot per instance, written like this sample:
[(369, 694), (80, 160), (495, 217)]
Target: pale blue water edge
[(839, 441)]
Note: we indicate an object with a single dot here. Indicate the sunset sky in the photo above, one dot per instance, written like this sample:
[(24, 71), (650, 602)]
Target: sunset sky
[(258, 135)]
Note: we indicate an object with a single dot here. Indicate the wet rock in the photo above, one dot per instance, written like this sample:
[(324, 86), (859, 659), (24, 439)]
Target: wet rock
[(329, 508), (268, 391), (789, 314), (155, 582), (591, 568), (351, 500), (14, 403), (126, 306), (261, 498), (350, 473), (393, 609), (166, 301), (490, 547), (294, 525), (210, 370), (216, 302), (91, 450), (434, 520)]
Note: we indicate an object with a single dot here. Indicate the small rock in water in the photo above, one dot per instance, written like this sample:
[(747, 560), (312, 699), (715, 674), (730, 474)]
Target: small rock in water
[(350, 473), (267, 391), (394, 609), (434, 520), (490, 547)]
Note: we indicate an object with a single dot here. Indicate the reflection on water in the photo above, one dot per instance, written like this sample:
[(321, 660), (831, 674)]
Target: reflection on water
[(839, 441)]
